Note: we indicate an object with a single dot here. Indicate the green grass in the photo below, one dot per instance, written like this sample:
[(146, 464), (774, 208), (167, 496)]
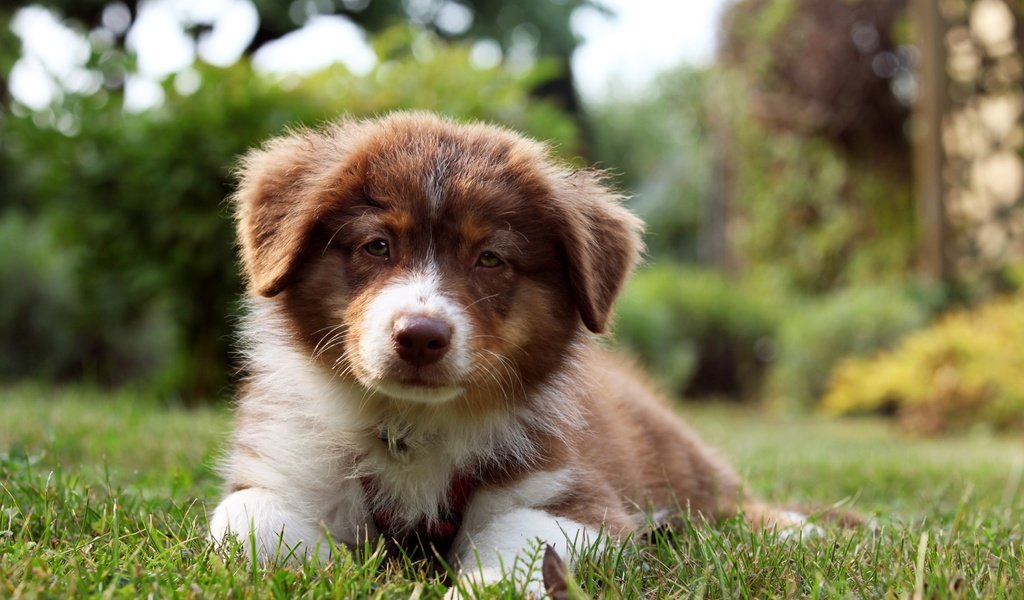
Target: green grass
[(107, 495)]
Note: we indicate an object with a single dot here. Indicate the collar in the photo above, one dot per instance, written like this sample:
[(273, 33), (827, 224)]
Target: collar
[(439, 534), (398, 446)]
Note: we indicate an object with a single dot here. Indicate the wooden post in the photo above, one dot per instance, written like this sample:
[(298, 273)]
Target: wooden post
[(713, 237), (929, 156), (713, 243)]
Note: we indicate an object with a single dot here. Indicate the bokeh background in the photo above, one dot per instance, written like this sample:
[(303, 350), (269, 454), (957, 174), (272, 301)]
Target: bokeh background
[(833, 189)]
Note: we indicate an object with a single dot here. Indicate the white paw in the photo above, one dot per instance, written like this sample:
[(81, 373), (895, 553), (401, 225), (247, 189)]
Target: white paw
[(470, 588), (794, 526), (257, 520)]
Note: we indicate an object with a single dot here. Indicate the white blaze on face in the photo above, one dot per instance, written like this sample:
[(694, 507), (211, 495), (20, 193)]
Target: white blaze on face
[(417, 294)]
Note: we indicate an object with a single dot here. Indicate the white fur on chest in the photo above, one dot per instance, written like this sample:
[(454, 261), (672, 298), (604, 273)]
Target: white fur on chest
[(306, 440)]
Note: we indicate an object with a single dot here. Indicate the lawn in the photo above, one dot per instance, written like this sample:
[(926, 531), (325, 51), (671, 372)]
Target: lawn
[(107, 495)]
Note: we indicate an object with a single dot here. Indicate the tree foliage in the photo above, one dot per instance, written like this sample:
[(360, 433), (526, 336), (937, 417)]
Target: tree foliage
[(827, 68), (138, 199), (524, 31), (813, 102), (658, 146), (546, 21)]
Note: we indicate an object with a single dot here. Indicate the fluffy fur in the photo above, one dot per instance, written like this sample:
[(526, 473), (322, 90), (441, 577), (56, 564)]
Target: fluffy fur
[(423, 299)]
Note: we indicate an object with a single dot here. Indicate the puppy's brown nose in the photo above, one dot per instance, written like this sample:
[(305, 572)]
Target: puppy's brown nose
[(422, 340)]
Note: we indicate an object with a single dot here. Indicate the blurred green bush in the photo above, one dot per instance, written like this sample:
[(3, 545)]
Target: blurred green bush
[(702, 333), (816, 234), (966, 369), (37, 306), (138, 199), (804, 207), (657, 146), (47, 332), (723, 184), (698, 331), (817, 333)]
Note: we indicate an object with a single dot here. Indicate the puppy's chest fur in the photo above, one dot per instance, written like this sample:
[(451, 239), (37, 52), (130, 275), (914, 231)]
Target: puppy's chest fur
[(335, 434), (414, 464), (414, 479), (412, 467)]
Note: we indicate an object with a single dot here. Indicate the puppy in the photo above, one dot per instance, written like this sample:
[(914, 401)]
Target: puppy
[(422, 358)]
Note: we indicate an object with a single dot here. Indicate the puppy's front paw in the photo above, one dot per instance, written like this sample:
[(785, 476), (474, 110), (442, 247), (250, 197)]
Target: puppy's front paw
[(792, 525), (789, 525), (472, 589), (474, 583), (255, 517)]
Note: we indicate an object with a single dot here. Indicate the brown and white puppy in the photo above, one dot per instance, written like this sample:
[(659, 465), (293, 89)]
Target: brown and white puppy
[(422, 365)]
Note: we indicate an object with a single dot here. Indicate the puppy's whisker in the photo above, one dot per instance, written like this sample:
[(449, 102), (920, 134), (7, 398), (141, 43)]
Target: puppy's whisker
[(511, 377), (343, 358), (509, 366), (492, 375), (478, 300), (335, 337), (365, 400), (503, 377), (343, 373), (329, 336), (330, 241), (326, 327)]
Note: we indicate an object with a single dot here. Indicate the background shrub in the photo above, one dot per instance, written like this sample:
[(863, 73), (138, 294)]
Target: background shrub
[(657, 144), (698, 331), (816, 333), (37, 306), (138, 199), (45, 329), (964, 370)]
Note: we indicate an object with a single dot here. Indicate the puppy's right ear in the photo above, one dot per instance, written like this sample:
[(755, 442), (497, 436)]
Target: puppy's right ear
[(277, 203)]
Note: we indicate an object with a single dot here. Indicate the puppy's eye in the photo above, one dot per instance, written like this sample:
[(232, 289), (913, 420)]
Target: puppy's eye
[(489, 260), (378, 248)]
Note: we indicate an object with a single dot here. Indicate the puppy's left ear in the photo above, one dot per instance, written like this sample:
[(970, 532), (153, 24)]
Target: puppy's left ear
[(602, 244)]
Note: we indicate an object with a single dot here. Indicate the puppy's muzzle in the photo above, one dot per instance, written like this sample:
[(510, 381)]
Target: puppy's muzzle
[(421, 340)]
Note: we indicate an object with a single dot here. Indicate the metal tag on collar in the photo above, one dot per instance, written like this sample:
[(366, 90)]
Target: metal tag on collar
[(397, 447)]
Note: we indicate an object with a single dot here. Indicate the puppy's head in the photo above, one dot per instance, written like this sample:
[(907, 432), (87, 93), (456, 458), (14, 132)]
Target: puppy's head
[(428, 260)]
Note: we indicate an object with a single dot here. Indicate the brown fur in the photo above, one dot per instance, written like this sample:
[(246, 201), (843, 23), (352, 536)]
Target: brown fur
[(310, 201)]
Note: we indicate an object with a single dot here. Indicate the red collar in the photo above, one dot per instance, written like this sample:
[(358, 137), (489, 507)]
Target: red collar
[(440, 533)]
